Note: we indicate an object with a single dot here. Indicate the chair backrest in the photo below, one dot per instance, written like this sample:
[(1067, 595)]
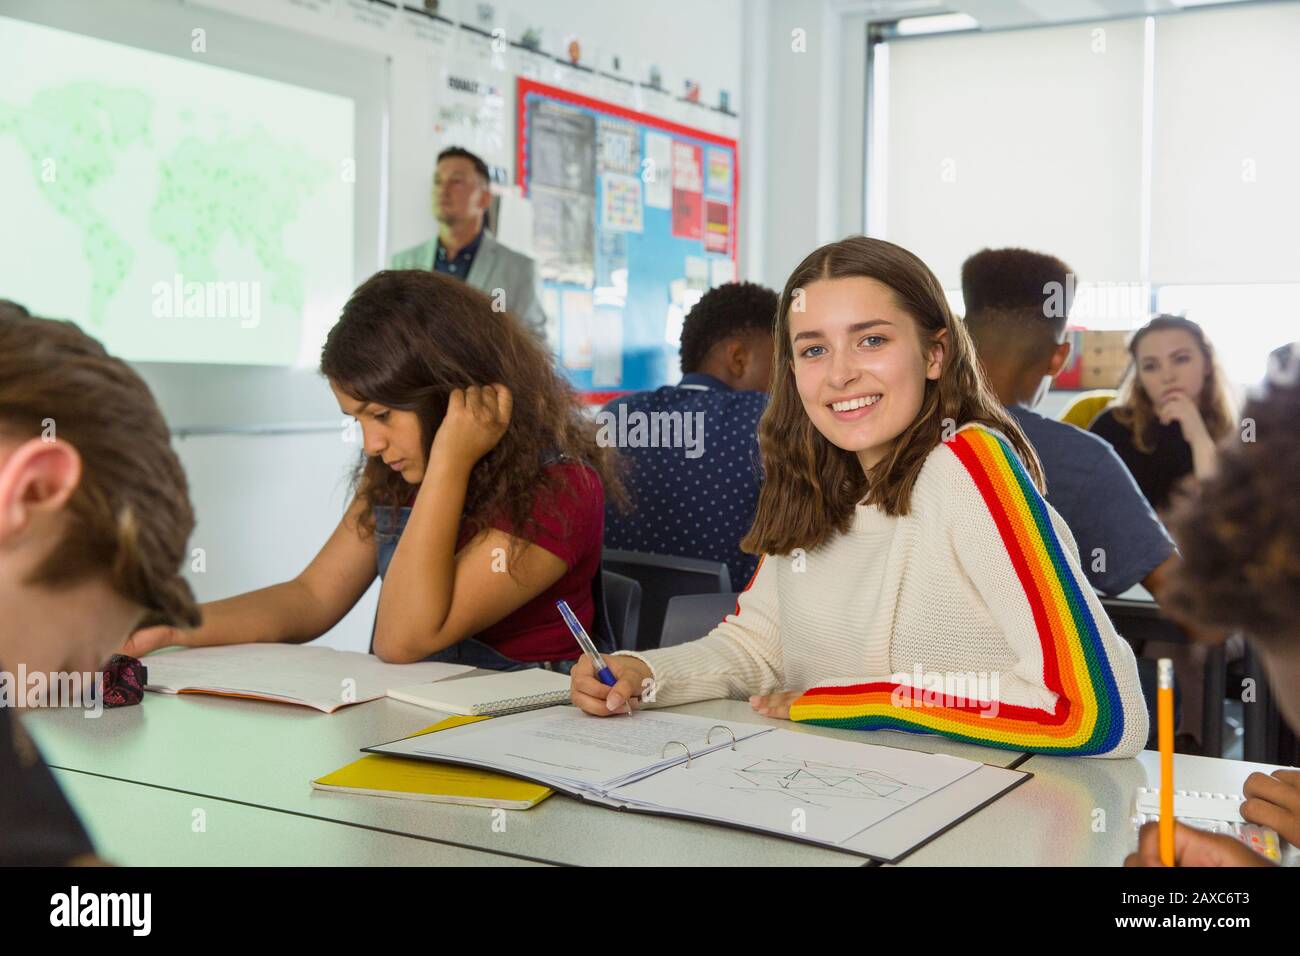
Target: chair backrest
[(663, 577), (693, 615), (622, 609), (1084, 408)]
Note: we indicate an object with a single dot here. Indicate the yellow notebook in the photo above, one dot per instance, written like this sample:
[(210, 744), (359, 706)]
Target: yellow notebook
[(441, 783)]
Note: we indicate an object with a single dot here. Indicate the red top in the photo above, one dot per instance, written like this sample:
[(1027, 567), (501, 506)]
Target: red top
[(536, 632)]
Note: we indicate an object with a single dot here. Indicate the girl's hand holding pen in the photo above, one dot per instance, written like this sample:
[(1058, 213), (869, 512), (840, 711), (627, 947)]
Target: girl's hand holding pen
[(589, 694)]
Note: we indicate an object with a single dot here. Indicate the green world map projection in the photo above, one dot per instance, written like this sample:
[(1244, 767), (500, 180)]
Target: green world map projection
[(238, 184)]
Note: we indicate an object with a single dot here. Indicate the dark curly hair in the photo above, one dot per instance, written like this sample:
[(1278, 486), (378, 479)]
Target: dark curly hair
[(737, 308), (407, 338), (1240, 537)]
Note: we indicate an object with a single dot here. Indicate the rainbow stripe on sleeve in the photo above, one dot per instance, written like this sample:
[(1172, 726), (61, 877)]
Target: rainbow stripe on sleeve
[(1088, 718)]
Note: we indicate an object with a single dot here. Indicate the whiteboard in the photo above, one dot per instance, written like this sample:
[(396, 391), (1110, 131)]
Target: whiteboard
[(199, 191)]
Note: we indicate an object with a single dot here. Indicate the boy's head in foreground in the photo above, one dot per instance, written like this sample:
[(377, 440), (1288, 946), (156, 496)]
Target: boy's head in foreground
[(1240, 537), (94, 508)]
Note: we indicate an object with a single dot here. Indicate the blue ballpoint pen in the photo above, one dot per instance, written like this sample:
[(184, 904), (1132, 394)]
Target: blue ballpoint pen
[(602, 670)]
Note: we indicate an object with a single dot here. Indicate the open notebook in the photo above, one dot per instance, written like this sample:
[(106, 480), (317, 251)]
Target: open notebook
[(319, 677), (861, 798)]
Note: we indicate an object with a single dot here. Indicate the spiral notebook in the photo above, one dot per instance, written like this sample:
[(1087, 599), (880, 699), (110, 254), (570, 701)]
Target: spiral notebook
[(492, 695)]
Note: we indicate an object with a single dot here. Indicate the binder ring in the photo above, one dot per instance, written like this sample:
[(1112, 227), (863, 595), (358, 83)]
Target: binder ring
[(722, 727), (663, 753)]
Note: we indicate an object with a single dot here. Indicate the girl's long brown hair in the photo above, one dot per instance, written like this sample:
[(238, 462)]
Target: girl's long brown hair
[(810, 486), (407, 338), (1133, 407)]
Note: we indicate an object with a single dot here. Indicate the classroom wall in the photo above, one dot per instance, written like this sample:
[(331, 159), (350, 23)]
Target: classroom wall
[(684, 38), (266, 504), (802, 132)]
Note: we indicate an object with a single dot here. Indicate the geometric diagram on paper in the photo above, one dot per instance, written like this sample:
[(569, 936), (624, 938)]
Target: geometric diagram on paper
[(811, 781)]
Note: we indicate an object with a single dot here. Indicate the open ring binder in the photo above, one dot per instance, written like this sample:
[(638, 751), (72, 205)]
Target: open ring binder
[(664, 752), (708, 739), (722, 727)]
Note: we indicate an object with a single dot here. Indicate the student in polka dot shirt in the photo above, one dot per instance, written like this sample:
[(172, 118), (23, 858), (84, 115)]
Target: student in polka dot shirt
[(698, 501)]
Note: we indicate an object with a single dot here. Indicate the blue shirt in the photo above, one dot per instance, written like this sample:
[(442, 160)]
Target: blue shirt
[(459, 266), (690, 507), (1120, 538)]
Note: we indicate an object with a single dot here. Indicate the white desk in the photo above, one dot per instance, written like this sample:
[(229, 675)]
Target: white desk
[(132, 824), (1054, 819), (266, 754)]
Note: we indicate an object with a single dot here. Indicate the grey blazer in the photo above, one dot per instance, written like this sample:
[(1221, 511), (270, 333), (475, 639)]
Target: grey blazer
[(495, 267)]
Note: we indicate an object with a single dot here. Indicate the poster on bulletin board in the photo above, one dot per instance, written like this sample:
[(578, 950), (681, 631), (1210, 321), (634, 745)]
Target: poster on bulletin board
[(634, 218)]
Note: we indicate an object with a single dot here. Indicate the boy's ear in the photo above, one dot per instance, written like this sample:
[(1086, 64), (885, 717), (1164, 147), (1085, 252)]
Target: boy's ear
[(1060, 356), (938, 350), (37, 477)]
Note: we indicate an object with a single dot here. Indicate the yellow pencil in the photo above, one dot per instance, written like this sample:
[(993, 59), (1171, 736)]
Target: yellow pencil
[(1165, 730)]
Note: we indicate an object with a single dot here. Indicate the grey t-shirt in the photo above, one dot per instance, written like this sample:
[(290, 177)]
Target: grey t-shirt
[(1091, 489)]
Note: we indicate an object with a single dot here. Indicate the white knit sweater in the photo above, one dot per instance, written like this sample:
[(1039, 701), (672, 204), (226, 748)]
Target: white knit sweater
[(967, 588)]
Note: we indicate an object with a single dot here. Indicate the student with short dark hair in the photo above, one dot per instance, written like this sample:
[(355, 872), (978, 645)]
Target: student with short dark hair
[(1240, 538), (698, 502), (1017, 312), (1017, 307), (94, 520)]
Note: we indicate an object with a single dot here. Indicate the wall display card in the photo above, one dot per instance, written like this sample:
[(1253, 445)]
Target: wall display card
[(719, 174), (513, 222), (611, 259), (607, 348), (688, 182), (562, 148), (697, 273), (618, 146), (564, 235), (621, 203), (723, 271), (717, 227), (687, 212), (576, 309), (657, 175), (562, 172), (470, 111)]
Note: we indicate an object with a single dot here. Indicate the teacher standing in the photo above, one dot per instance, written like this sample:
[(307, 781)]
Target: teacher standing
[(466, 249)]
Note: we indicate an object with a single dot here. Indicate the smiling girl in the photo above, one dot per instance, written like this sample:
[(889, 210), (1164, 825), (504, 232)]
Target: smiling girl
[(912, 576), (480, 493), (1173, 407)]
